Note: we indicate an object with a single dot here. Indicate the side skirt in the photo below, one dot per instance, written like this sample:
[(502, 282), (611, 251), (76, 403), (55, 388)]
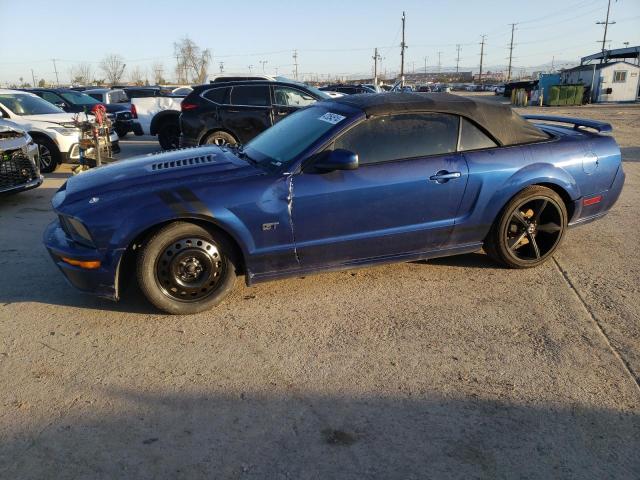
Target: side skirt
[(252, 279)]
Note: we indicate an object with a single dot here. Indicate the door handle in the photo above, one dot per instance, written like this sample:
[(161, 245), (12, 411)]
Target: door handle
[(444, 176)]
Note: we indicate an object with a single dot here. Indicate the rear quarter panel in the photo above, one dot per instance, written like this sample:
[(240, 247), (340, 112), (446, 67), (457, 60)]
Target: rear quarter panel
[(578, 162)]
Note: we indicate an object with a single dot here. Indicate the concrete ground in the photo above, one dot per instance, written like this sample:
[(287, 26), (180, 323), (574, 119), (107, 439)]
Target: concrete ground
[(454, 368)]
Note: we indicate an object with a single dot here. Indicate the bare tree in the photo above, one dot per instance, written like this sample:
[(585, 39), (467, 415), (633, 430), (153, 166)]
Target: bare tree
[(157, 72), (81, 73), (136, 76), (192, 62), (113, 67)]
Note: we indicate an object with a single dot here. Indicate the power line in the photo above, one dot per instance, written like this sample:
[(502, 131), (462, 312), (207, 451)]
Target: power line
[(606, 24), (481, 56), (403, 47), (55, 69), (513, 27), (295, 64)]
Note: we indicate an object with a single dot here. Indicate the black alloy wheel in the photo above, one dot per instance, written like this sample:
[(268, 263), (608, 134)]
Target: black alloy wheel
[(529, 230), (184, 269)]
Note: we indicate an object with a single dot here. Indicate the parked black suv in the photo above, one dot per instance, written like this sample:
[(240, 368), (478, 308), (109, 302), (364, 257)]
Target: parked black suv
[(235, 112), (73, 101)]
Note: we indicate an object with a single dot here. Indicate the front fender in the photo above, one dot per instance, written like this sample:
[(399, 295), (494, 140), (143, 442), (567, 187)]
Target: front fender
[(139, 222)]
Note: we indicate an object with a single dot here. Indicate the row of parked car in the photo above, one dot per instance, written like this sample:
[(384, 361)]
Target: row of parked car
[(228, 110)]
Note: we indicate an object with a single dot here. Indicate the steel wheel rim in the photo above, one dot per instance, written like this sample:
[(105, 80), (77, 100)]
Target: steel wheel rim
[(189, 269), (45, 156), (534, 229)]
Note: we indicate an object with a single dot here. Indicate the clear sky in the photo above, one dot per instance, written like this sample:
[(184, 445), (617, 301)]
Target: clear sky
[(331, 36)]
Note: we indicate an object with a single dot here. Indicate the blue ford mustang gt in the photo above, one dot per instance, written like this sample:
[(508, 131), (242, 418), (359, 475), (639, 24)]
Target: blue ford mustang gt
[(353, 181)]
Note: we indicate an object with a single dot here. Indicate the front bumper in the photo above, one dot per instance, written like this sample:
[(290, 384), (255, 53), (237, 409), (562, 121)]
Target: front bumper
[(101, 281), (36, 182)]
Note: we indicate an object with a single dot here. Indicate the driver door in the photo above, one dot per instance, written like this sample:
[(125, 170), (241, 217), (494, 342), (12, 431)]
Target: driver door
[(402, 199)]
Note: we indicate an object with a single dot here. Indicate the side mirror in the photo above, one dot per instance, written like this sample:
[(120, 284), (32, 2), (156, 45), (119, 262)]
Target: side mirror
[(338, 159), (61, 105)]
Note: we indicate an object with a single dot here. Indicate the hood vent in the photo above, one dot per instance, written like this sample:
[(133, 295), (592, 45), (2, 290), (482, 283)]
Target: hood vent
[(183, 162)]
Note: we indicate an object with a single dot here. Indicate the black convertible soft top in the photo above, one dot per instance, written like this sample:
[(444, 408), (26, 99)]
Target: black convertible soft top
[(499, 120)]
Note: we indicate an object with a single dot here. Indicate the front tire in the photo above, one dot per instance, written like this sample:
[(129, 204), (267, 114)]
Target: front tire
[(49, 154), (529, 229), (184, 269), (169, 135)]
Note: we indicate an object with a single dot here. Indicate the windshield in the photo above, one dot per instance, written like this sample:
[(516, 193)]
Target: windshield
[(282, 143), (24, 104), (77, 98)]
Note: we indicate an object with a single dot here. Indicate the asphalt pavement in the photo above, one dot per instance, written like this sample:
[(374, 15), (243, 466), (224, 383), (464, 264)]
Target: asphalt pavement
[(452, 368)]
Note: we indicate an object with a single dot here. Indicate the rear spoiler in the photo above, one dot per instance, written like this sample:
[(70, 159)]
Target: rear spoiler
[(576, 122)]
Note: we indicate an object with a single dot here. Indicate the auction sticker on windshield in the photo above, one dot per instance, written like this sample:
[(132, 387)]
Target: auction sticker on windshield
[(332, 118)]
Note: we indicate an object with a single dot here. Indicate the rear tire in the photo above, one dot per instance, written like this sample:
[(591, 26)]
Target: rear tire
[(121, 131), (219, 138), (48, 152), (184, 269), (169, 135), (529, 228)]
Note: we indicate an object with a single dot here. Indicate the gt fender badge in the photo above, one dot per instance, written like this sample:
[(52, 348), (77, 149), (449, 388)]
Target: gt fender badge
[(269, 226)]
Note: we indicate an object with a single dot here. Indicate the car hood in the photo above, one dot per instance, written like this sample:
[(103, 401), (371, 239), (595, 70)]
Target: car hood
[(156, 171), (58, 118)]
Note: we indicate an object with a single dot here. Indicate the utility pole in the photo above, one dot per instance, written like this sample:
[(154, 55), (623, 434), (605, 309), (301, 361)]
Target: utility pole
[(55, 69), (33, 77), (481, 57), (403, 46), (295, 64), (221, 67), (513, 27), (553, 59), (263, 62), (458, 48), (606, 23), (375, 57), (439, 62)]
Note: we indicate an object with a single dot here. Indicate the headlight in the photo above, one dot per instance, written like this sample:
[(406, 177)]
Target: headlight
[(64, 131), (76, 230)]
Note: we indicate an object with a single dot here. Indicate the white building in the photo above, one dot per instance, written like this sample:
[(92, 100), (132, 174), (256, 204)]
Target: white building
[(615, 74), (614, 82)]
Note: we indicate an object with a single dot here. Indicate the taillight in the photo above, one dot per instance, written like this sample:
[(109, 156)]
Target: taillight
[(184, 106), (134, 112)]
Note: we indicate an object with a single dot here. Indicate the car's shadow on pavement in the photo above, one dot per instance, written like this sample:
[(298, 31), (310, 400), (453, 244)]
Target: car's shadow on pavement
[(469, 260), (275, 432), (630, 154)]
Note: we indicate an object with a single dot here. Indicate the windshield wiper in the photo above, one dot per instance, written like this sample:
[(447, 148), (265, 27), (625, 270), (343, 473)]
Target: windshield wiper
[(242, 154)]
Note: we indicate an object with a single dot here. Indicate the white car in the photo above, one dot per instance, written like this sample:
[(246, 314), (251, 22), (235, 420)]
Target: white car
[(51, 128)]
